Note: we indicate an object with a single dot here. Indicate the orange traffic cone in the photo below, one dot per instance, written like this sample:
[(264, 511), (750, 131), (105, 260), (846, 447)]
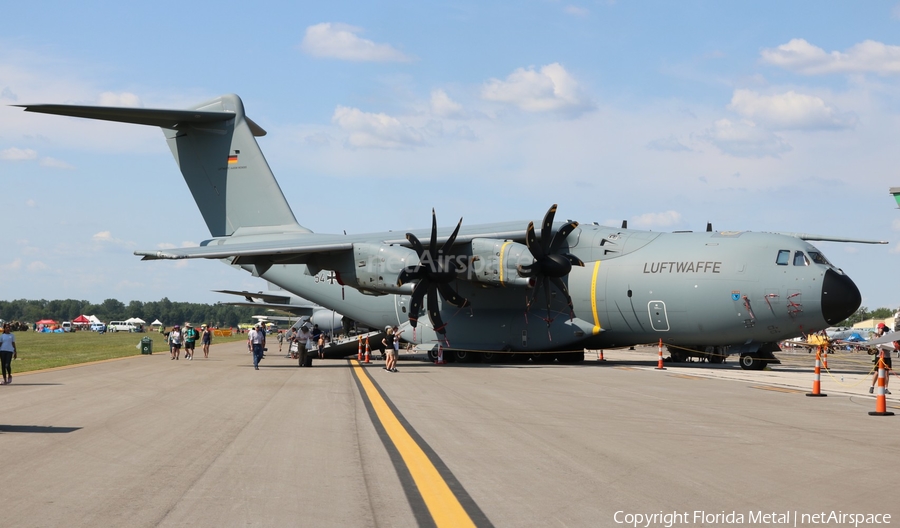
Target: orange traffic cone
[(880, 403), (659, 366), (440, 358), (367, 351), (359, 350), (600, 356), (824, 357), (817, 381)]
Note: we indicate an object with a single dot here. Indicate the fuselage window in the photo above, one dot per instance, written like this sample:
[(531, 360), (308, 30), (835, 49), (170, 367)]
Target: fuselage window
[(800, 259), (784, 256), (819, 258)]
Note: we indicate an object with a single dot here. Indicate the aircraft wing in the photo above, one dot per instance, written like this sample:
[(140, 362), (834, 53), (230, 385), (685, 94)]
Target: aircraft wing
[(266, 297), (280, 251), (296, 309), (885, 339), (295, 249)]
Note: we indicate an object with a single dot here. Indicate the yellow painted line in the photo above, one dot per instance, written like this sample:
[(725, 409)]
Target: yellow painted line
[(687, 376), (627, 368), (596, 329), (443, 505), (503, 247), (776, 389)]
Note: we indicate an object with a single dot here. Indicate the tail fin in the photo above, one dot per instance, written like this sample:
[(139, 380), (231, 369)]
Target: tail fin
[(214, 145)]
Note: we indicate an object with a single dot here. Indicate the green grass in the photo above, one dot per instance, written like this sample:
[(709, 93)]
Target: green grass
[(41, 351)]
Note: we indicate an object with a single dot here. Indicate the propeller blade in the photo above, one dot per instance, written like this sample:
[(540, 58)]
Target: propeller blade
[(449, 243), (575, 261), (415, 302), (409, 274), (527, 270), (561, 236), (547, 295), (531, 241), (562, 287), (546, 227), (452, 297), (538, 281), (432, 249), (416, 244), (434, 312)]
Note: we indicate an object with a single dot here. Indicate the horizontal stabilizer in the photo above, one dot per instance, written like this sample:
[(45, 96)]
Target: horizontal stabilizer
[(163, 118), (275, 251)]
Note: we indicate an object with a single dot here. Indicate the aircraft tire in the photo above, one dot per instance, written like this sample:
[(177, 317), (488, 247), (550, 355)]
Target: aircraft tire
[(749, 362), (715, 355), (463, 356), (677, 356), (489, 357), (432, 355)]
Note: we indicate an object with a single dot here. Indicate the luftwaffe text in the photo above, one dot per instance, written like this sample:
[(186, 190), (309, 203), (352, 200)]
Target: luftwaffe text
[(701, 266)]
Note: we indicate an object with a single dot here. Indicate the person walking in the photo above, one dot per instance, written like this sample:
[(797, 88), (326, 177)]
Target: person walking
[(190, 341), (7, 353), (280, 340), (882, 330), (205, 340), (320, 344), (255, 345), (175, 342)]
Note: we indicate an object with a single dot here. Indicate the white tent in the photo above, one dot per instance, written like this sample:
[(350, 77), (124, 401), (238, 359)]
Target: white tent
[(94, 319), (136, 320), (156, 323)]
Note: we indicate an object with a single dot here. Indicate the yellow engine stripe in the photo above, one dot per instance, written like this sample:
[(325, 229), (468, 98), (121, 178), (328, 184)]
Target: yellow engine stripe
[(443, 505), (597, 328), (502, 248)]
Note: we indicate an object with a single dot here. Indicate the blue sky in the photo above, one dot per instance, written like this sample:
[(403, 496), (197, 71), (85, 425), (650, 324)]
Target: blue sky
[(762, 116)]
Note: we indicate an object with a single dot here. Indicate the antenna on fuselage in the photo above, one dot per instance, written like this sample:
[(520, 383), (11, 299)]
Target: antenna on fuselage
[(624, 224), (709, 227)]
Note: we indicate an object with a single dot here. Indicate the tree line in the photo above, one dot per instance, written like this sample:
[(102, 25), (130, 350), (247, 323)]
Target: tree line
[(170, 313)]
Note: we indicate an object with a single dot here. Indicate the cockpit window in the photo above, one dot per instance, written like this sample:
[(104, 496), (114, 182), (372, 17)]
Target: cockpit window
[(784, 256), (819, 258), (800, 259)]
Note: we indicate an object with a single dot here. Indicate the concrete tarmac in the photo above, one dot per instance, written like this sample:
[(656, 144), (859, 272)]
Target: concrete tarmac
[(147, 441)]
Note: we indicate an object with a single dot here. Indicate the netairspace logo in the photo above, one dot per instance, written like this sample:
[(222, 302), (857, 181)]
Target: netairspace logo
[(759, 517)]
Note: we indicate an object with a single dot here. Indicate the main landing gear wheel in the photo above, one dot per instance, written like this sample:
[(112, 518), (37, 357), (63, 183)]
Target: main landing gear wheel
[(749, 362)]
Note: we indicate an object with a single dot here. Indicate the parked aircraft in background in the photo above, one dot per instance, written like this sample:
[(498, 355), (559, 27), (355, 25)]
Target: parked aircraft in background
[(328, 320), (503, 287)]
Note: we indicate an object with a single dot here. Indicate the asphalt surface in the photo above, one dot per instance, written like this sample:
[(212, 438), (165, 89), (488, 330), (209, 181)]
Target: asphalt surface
[(147, 441)]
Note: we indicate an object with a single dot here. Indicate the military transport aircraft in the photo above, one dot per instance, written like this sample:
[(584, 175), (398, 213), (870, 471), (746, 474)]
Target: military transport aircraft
[(503, 287), (328, 320)]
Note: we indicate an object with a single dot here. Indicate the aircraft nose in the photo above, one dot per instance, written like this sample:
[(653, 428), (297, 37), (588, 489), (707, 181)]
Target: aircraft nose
[(840, 297)]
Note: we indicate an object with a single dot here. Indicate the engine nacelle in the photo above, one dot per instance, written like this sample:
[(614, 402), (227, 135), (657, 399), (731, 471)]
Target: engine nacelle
[(493, 262), (372, 268)]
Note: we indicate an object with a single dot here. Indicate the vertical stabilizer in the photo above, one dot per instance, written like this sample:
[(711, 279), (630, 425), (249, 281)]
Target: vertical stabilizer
[(228, 174), (214, 145)]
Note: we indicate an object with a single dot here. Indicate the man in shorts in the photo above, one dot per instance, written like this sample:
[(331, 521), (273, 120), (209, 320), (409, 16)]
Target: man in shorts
[(175, 342)]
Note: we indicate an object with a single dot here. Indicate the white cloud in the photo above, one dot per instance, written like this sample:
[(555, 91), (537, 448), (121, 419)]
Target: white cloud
[(670, 144), (30, 203), (443, 106), (120, 99), (369, 130), (657, 220), (340, 41), (102, 236), (54, 163), (576, 11), (17, 154), (15, 265), (744, 139), (868, 56), (37, 266), (789, 110), (550, 89)]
